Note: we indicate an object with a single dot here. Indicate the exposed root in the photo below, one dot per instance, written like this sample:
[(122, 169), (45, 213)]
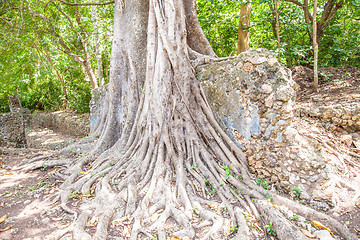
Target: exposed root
[(171, 168)]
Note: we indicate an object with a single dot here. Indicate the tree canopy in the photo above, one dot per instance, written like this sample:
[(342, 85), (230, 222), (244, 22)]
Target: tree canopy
[(55, 52)]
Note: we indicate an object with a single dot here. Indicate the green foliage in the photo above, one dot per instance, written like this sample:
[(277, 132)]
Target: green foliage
[(79, 95), (33, 61), (270, 229), (262, 183), (219, 20), (227, 171), (297, 192), (234, 229), (338, 45)]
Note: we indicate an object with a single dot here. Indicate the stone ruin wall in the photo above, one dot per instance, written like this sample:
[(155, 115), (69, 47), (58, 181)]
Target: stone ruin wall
[(15, 126), (253, 99)]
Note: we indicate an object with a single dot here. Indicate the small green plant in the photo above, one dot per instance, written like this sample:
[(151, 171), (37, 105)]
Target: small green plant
[(347, 75), (212, 188), (239, 177), (211, 185), (37, 186), (114, 184), (193, 166), (196, 211), (89, 194), (234, 229), (294, 218), (154, 237), (269, 228), (44, 167), (297, 193), (262, 183), (236, 190), (76, 195), (227, 171), (268, 197), (326, 76)]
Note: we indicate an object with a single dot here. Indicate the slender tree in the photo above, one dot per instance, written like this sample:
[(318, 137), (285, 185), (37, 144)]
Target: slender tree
[(98, 50), (244, 25), (328, 10), (315, 46), (160, 149)]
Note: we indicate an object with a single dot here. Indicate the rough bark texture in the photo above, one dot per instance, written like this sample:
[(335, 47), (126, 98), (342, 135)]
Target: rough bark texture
[(162, 162), (244, 25), (316, 47), (97, 47)]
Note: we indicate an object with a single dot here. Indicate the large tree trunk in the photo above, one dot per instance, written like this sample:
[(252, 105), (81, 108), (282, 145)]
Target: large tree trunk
[(161, 158)]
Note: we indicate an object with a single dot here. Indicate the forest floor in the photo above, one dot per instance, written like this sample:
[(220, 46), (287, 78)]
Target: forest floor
[(28, 211)]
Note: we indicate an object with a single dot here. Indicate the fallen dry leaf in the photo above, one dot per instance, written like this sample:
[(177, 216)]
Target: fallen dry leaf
[(126, 231), (93, 221), (8, 173), (213, 206), (5, 229), (3, 218), (320, 225)]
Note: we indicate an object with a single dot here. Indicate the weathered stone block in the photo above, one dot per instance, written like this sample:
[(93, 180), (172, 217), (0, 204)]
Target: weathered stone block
[(253, 98), (12, 130)]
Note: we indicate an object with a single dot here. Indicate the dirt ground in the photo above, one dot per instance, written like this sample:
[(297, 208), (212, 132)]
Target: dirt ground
[(28, 204), (335, 84)]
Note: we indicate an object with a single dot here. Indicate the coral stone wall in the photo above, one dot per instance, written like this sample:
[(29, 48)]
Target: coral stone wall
[(12, 130), (253, 98)]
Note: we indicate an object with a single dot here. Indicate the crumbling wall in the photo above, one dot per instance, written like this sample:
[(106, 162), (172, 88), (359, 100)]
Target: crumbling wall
[(61, 121), (346, 115), (12, 130), (13, 126), (253, 98)]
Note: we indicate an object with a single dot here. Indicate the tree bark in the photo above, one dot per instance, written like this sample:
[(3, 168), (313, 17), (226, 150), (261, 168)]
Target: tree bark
[(275, 26), (316, 48), (98, 50), (244, 25), (160, 148)]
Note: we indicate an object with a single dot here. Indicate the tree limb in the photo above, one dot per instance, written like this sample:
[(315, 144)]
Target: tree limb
[(295, 2), (85, 4)]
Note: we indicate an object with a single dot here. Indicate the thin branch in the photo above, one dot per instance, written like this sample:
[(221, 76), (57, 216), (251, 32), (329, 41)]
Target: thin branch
[(85, 4), (296, 2)]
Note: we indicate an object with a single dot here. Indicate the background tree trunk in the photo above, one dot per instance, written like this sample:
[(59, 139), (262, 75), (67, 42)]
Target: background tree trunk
[(98, 50), (244, 25), (316, 47)]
